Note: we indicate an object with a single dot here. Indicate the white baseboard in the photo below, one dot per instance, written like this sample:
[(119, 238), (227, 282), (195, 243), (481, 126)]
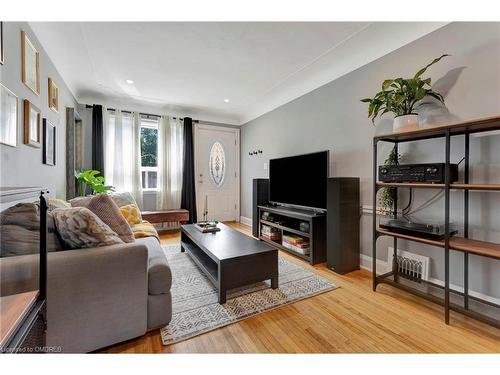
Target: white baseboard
[(365, 262), (383, 267), (246, 220), (471, 292)]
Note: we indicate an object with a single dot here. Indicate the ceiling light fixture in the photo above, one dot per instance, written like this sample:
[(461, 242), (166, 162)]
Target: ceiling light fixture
[(226, 100), (129, 81)]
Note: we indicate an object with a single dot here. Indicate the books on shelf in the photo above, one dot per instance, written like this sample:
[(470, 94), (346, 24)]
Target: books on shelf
[(300, 250), (296, 243), (271, 233)]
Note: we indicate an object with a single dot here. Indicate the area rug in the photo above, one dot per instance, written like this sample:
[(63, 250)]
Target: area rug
[(194, 298)]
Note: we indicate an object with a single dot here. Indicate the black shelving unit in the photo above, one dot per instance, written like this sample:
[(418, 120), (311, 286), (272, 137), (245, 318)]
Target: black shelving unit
[(463, 244), (316, 233)]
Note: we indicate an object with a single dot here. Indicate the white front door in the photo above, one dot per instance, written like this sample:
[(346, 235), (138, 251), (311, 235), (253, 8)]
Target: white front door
[(217, 172)]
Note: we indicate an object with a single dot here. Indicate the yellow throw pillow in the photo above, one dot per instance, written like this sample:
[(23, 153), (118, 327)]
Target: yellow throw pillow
[(131, 213)]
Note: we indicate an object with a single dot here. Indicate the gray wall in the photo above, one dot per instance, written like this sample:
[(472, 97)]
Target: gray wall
[(332, 117), (22, 165)]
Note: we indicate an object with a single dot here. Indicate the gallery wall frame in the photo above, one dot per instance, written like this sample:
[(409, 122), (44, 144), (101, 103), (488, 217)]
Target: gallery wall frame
[(53, 95), (32, 124), (30, 64), (49, 143), (9, 116), (2, 53)]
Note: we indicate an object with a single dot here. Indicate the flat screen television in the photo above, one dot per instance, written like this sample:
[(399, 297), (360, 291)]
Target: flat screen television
[(299, 180)]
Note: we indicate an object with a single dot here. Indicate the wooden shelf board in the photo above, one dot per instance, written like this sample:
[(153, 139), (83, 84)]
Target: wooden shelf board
[(411, 185), (280, 246), (467, 245), (456, 186), (488, 187), (463, 127), (285, 228), (13, 308)]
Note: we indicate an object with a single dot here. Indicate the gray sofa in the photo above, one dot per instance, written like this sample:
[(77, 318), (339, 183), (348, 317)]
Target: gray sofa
[(98, 297)]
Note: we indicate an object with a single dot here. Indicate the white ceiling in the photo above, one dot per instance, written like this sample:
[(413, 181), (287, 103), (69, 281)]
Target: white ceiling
[(189, 68)]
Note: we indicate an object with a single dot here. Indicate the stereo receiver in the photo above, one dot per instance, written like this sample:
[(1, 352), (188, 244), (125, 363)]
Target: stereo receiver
[(430, 172)]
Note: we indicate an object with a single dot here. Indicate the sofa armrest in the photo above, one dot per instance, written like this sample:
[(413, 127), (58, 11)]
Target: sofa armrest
[(97, 297)]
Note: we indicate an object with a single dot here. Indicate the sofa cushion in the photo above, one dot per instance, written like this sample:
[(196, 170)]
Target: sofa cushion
[(20, 231), (81, 228), (123, 199), (131, 213), (159, 273), (106, 209), (80, 201), (58, 203)]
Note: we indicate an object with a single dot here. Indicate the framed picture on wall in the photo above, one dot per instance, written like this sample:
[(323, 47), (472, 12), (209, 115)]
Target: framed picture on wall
[(1, 43), (32, 120), (8, 116), (53, 96), (49, 143), (31, 64)]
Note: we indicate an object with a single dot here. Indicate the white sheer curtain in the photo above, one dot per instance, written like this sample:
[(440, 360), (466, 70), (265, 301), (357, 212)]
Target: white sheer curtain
[(176, 149), (164, 195), (169, 163), (122, 137)]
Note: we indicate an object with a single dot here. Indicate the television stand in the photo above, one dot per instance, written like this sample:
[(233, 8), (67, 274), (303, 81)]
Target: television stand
[(280, 226)]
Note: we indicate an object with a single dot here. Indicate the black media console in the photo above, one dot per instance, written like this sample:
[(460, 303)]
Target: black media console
[(292, 223), (331, 236)]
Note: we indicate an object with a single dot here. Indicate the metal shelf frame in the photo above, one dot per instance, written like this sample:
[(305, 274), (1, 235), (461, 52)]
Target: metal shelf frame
[(447, 132)]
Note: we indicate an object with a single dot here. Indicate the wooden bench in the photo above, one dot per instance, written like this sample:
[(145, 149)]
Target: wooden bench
[(166, 216)]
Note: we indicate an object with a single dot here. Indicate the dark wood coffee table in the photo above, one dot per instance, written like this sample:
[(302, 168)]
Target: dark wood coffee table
[(230, 259)]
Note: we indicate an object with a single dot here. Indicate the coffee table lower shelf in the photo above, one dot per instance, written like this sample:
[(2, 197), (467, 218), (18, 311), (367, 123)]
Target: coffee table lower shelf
[(229, 272)]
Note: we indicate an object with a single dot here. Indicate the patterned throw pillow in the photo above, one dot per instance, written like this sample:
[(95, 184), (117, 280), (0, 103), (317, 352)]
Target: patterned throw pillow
[(107, 210), (131, 213), (123, 199), (81, 228)]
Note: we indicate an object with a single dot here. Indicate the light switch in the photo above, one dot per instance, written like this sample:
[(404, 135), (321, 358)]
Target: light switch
[(265, 166)]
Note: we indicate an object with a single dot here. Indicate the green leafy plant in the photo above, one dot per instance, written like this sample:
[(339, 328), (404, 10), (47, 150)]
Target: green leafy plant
[(400, 95), (388, 195), (90, 178)]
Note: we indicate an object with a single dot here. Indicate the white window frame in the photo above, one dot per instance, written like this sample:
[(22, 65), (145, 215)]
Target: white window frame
[(149, 124)]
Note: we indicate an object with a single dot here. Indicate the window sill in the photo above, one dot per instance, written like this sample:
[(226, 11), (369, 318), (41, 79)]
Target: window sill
[(150, 191)]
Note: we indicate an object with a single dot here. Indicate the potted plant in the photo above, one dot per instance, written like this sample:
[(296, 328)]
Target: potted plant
[(388, 194), (89, 178), (400, 97)]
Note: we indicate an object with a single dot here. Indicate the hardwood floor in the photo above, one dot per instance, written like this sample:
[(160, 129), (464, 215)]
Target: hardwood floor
[(351, 319)]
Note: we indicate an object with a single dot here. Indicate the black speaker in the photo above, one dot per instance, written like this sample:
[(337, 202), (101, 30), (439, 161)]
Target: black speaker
[(342, 223), (260, 197)]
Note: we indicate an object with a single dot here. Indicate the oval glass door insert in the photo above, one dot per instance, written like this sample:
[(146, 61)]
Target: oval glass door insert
[(217, 164)]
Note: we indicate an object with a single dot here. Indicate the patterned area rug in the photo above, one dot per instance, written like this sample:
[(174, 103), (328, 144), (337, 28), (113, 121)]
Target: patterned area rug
[(195, 306)]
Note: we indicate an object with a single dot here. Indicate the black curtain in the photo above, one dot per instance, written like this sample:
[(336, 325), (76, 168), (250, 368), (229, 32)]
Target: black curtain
[(97, 139), (188, 196)]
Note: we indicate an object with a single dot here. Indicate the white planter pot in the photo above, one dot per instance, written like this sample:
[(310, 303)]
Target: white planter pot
[(405, 123)]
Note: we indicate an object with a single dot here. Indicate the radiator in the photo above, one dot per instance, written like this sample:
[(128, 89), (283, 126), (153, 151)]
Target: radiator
[(411, 266)]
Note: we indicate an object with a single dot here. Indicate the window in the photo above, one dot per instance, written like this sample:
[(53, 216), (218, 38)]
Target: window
[(149, 153), (217, 164)]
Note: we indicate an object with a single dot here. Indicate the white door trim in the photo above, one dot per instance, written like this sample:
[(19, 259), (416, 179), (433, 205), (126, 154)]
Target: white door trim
[(196, 135)]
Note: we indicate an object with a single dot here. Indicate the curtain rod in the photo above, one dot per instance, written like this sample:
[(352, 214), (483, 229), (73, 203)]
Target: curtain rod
[(145, 114)]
